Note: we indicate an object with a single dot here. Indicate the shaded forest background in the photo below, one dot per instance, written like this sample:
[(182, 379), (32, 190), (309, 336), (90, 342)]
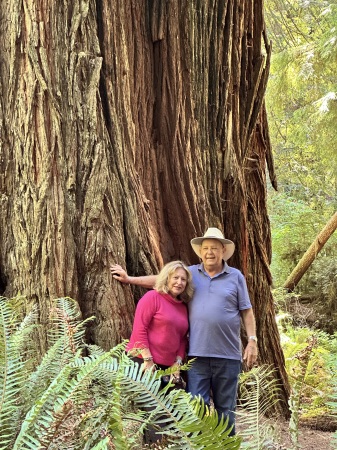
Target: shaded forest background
[(302, 113), (301, 104)]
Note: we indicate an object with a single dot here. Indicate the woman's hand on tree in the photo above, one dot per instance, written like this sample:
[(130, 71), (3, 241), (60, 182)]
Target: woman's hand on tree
[(119, 273)]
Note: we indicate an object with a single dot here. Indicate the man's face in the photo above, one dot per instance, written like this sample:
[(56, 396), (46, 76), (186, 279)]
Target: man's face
[(212, 252)]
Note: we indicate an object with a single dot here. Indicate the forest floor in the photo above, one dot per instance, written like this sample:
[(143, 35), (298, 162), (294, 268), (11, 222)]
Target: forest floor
[(309, 438), (317, 435)]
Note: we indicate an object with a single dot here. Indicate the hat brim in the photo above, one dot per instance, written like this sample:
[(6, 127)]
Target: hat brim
[(230, 246)]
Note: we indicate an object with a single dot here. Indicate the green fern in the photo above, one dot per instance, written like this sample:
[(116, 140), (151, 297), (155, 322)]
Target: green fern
[(70, 401), (67, 324), (298, 382), (258, 394), (65, 338), (186, 425), (333, 402), (12, 369)]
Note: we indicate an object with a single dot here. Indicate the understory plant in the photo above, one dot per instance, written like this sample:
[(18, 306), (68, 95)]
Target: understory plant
[(258, 390), (80, 397), (302, 385), (308, 362), (333, 401), (311, 366), (308, 352)]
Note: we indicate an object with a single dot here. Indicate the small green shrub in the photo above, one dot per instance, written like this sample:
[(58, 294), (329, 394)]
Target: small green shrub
[(307, 355)]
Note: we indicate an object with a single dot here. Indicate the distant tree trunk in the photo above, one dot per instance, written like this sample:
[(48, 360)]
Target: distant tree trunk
[(310, 255), (127, 128)]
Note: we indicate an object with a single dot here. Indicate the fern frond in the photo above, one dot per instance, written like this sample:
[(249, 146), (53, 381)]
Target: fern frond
[(258, 393), (12, 374), (198, 427), (66, 322), (303, 357), (41, 417), (76, 402), (52, 363), (66, 338), (333, 403), (187, 366), (185, 423)]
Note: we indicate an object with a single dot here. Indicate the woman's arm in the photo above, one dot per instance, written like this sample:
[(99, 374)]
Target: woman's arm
[(121, 275)]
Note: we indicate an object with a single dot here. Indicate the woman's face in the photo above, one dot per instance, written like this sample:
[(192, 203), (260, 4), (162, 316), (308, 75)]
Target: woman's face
[(177, 282)]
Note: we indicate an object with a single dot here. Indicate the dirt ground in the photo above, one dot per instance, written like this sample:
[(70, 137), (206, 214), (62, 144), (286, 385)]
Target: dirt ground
[(309, 438)]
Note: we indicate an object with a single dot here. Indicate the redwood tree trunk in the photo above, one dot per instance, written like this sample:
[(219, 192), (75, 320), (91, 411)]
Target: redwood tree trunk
[(127, 128)]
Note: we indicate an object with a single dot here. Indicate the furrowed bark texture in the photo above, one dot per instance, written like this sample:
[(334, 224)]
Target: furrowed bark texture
[(127, 128)]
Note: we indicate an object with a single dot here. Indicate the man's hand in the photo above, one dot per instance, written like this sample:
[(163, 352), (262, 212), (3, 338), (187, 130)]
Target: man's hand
[(119, 273), (250, 355)]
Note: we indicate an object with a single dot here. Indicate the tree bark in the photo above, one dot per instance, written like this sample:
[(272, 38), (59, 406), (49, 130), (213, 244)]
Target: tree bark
[(310, 255), (127, 128)]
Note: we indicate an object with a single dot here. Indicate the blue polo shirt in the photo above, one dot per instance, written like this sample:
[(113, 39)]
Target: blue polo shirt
[(214, 312)]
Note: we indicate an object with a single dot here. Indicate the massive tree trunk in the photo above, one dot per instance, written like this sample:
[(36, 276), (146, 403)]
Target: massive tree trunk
[(127, 128)]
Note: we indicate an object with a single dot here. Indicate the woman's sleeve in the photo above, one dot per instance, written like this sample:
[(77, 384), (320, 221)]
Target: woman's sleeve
[(145, 311)]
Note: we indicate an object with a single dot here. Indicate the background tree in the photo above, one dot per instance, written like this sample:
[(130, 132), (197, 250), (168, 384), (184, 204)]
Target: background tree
[(127, 128), (301, 102)]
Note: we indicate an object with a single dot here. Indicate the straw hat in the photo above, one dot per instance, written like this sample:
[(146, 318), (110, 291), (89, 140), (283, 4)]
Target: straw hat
[(214, 233)]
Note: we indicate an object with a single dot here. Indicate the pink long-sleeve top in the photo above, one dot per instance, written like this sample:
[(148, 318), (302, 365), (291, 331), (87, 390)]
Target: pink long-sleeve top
[(161, 325)]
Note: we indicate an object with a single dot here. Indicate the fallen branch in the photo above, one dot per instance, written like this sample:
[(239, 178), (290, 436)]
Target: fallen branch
[(311, 254)]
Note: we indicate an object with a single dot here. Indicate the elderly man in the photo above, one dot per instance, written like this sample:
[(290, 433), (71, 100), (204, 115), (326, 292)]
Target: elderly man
[(219, 301)]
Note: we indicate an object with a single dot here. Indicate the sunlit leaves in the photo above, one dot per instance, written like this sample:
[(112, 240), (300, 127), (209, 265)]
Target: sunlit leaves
[(301, 95), (302, 114)]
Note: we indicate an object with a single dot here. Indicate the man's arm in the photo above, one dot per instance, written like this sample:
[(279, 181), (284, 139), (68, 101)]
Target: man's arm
[(250, 354), (121, 275)]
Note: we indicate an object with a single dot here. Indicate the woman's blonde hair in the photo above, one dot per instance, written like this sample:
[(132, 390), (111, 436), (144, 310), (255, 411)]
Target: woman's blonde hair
[(164, 275)]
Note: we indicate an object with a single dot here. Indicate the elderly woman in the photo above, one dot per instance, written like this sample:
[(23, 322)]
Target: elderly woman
[(159, 334)]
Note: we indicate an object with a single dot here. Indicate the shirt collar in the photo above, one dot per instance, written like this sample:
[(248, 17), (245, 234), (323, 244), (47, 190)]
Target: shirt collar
[(226, 268)]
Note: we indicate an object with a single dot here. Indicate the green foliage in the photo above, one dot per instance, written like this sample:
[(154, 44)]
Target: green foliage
[(299, 376), (311, 374), (310, 357), (333, 401), (80, 397), (12, 368), (302, 113), (258, 393), (295, 224), (301, 94)]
